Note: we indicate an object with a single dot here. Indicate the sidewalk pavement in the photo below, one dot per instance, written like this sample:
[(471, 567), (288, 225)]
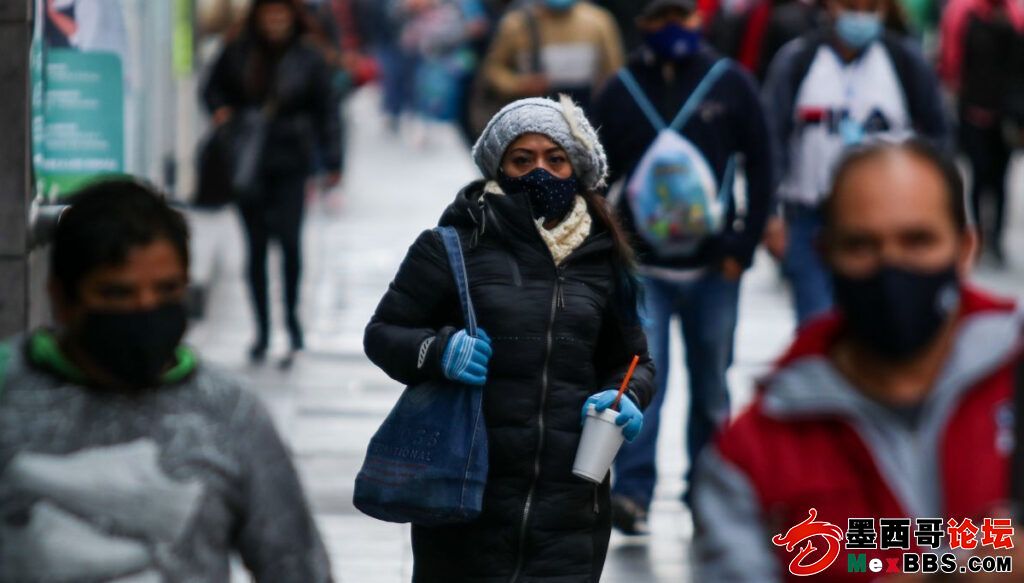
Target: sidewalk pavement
[(330, 403)]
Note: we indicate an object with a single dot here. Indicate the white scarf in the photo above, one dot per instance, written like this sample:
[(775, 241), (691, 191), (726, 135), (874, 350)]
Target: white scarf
[(568, 235)]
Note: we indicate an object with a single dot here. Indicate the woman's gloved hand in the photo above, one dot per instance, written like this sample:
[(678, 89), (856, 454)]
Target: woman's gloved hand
[(630, 418), (465, 358)]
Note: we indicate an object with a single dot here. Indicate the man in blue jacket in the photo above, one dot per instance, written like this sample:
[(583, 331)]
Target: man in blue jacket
[(694, 237), (836, 87)]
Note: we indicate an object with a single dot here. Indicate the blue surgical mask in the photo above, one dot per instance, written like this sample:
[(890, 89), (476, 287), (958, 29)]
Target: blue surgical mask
[(673, 42), (551, 198), (858, 29), (560, 5)]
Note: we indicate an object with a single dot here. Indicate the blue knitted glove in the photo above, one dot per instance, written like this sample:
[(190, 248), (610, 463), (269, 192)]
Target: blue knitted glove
[(465, 358), (630, 418)]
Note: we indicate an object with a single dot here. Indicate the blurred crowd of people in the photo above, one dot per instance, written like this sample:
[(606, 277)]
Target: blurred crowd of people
[(461, 60), (629, 172)]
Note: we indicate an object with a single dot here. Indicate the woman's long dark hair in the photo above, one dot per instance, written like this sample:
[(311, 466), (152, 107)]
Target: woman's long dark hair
[(629, 293), (302, 25), (259, 74)]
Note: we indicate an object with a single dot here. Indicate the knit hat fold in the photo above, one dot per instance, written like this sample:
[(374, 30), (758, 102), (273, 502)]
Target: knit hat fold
[(563, 121)]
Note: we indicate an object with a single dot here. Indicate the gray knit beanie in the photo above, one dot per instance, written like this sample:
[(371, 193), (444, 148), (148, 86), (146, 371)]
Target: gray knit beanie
[(563, 121)]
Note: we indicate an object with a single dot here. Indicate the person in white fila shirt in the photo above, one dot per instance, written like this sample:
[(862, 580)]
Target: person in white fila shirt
[(833, 88)]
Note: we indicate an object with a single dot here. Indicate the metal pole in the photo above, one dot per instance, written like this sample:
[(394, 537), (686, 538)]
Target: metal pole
[(16, 258)]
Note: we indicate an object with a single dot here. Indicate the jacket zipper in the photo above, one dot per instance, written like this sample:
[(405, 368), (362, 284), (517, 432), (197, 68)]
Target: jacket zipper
[(521, 551)]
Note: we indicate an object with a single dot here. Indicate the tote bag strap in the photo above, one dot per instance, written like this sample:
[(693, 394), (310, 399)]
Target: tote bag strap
[(452, 245)]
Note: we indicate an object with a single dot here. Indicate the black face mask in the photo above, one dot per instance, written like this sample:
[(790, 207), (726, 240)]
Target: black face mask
[(550, 197), (896, 312), (135, 347)]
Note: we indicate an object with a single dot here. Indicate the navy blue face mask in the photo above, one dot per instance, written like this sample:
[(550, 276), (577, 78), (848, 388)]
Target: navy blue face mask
[(673, 42), (135, 347), (896, 313), (551, 198)]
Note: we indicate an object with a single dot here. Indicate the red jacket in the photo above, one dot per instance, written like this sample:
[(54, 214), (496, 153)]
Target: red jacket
[(810, 440)]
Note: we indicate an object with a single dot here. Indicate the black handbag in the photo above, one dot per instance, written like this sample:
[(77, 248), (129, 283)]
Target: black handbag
[(248, 139), (213, 172), (230, 157)]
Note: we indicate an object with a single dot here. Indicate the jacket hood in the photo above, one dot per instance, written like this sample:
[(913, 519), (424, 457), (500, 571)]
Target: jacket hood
[(465, 211), (44, 351)]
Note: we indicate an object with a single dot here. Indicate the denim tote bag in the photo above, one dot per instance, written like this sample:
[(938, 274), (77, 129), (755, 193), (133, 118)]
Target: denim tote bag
[(427, 463)]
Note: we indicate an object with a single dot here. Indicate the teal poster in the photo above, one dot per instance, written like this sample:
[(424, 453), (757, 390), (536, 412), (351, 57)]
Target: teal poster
[(83, 119), (78, 124)]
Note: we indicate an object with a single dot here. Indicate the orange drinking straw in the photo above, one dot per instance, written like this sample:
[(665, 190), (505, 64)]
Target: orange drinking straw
[(625, 381)]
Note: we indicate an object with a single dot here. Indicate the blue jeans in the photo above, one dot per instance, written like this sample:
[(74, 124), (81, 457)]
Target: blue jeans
[(810, 280), (398, 75), (707, 309)]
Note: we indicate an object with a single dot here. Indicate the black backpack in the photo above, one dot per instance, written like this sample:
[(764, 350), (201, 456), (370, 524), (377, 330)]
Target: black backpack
[(983, 73)]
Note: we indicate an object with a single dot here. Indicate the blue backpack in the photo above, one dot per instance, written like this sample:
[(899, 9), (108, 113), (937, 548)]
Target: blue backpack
[(673, 194)]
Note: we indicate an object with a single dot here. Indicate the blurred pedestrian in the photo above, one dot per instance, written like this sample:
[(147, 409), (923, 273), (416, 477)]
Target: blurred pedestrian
[(551, 278), (397, 65), (270, 72), (470, 122), (978, 39), (680, 179), (764, 30), (334, 36), (441, 33), (897, 406), (554, 46), (123, 455), (923, 20), (833, 88)]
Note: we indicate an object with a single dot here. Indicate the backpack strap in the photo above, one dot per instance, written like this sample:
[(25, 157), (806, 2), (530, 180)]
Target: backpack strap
[(907, 76), (688, 109), (453, 247), (698, 95), (725, 191), (641, 99)]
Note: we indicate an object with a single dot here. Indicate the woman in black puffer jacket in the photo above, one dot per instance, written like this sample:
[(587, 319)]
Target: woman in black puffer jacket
[(271, 66), (550, 276)]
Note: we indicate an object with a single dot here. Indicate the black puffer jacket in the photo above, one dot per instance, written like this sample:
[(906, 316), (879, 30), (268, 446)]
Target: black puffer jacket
[(306, 120), (558, 337)]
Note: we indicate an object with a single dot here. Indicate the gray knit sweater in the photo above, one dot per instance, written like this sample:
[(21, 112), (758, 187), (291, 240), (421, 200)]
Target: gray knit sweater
[(159, 486)]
